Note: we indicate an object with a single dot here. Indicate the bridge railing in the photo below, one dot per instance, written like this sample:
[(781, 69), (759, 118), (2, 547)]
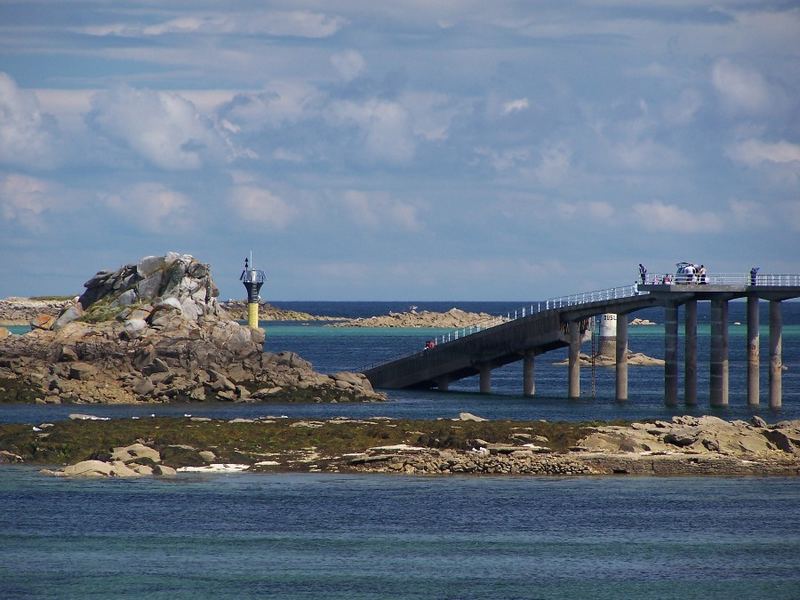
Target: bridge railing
[(737, 279), (626, 291), (556, 303)]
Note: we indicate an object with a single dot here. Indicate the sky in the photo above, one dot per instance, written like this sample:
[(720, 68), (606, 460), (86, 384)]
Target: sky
[(409, 150)]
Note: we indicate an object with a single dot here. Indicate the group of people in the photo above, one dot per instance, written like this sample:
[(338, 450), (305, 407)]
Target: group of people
[(691, 273), (687, 273)]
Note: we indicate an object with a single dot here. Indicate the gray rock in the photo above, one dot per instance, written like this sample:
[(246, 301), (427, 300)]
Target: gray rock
[(150, 286), (68, 316), (81, 371), (757, 421), (135, 452), (164, 471), (465, 416), (126, 298), (133, 328), (144, 387), (149, 265)]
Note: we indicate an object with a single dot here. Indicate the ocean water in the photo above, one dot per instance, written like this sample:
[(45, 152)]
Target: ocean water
[(372, 536), (334, 349)]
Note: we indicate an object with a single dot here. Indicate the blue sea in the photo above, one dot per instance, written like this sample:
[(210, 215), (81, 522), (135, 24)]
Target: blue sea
[(375, 536)]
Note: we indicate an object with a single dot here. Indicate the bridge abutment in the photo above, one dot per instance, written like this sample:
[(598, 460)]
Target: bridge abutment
[(775, 354)]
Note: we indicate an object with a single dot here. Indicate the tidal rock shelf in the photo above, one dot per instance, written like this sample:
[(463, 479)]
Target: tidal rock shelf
[(154, 332), (465, 445)]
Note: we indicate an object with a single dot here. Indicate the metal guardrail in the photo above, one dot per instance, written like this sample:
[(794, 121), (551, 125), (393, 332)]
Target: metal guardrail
[(738, 279), (615, 293), (556, 303)]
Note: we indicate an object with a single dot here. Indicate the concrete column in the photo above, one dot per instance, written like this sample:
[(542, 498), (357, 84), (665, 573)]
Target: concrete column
[(443, 383), (622, 358), (486, 379), (775, 354), (671, 354), (719, 352), (753, 352), (574, 360), (690, 353), (528, 383)]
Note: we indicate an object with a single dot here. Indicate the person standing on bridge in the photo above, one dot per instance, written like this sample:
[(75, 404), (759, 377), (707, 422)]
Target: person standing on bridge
[(643, 273), (753, 274)]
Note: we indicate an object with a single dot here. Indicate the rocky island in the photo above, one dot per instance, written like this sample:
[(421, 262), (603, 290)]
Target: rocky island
[(464, 445), (454, 318), (237, 309), (154, 331)]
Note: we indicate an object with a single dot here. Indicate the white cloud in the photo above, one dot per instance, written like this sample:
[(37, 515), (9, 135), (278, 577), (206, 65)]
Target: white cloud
[(153, 207), (431, 114), (515, 106), (163, 128), (740, 88), (27, 136), (657, 216), (24, 200), (298, 23), (385, 128), (349, 64), (283, 102), (259, 205), (683, 110), (754, 152), (377, 210)]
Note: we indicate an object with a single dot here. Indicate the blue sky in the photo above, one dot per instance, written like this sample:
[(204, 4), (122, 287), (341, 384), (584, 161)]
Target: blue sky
[(424, 150)]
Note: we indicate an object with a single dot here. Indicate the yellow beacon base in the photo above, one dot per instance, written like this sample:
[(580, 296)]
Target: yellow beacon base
[(252, 315)]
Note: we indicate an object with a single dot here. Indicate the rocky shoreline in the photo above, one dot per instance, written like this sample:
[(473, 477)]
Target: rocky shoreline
[(465, 445), (154, 331)]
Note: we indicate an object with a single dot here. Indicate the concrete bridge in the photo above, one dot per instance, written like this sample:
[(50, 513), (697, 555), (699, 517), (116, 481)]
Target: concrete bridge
[(560, 322)]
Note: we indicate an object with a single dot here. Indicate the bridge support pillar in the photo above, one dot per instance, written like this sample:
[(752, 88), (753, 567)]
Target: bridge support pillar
[(443, 383), (486, 379), (753, 352), (671, 354), (690, 354), (719, 352), (775, 354), (528, 383), (622, 357), (574, 360)]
